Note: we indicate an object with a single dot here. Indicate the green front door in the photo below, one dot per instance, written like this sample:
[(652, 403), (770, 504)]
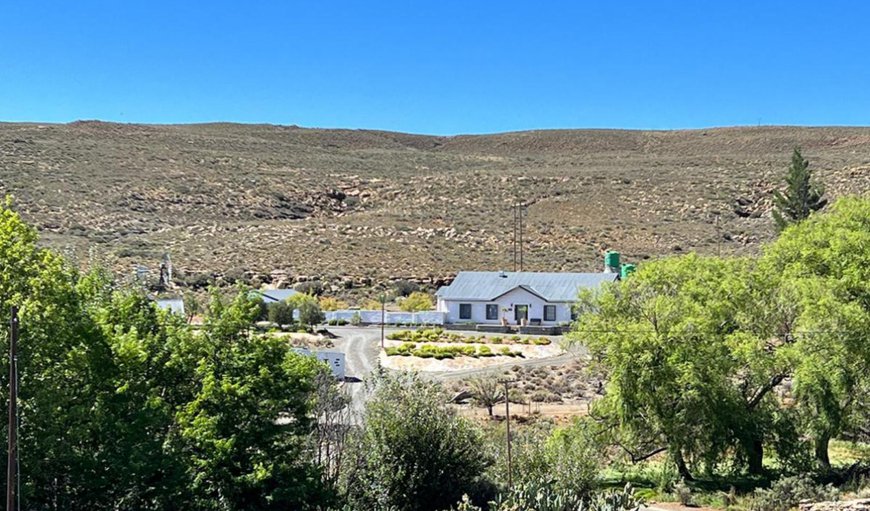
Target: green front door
[(521, 312)]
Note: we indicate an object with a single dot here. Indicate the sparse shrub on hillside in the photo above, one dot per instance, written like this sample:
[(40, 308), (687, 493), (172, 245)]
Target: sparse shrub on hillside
[(372, 305), (404, 288), (236, 275), (356, 319), (417, 302), (311, 287)]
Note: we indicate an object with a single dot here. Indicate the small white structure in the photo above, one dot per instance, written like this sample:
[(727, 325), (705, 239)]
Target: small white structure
[(334, 359), (515, 298), (173, 305)]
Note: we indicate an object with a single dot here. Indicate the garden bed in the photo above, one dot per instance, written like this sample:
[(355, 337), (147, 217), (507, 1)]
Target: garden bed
[(439, 335)]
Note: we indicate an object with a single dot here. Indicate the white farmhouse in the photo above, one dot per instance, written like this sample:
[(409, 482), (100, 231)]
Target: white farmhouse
[(515, 298)]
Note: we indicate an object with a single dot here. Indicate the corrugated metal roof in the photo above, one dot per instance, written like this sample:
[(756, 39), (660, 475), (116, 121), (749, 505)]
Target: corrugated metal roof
[(553, 287), (276, 295)]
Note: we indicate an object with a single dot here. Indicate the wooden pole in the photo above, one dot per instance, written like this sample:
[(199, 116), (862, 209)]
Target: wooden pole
[(12, 450), (514, 244), (383, 317), (522, 208)]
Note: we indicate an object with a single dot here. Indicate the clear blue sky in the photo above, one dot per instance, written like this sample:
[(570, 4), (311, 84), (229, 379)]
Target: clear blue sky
[(442, 67)]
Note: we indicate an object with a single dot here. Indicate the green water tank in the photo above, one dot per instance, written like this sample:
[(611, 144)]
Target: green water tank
[(627, 269), (611, 261)]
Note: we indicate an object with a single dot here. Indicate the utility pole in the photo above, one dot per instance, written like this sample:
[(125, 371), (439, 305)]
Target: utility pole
[(383, 299), (521, 209), (514, 243), (12, 450)]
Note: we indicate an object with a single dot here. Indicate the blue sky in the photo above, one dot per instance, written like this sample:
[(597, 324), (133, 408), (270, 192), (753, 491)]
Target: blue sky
[(445, 67)]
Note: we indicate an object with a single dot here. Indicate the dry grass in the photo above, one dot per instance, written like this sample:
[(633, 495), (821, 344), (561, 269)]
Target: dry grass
[(274, 202)]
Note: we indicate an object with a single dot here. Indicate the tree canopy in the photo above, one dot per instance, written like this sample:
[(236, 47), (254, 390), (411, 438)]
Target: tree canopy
[(697, 349), (123, 406)]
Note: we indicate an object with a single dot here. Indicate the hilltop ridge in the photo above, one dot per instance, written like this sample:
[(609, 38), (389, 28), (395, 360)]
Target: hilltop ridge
[(284, 201)]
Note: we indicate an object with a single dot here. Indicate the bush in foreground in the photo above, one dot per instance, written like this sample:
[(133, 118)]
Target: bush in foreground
[(413, 452)]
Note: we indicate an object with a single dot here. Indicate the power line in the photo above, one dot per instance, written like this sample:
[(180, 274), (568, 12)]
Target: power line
[(519, 210)]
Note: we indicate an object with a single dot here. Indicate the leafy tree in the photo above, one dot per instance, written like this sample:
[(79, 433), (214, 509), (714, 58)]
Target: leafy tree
[(308, 307), (59, 365), (823, 265), (413, 452), (801, 197), (123, 407), (416, 302), (280, 313), (686, 348), (486, 392), (245, 430)]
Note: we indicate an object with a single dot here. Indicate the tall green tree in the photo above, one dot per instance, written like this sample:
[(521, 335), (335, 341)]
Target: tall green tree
[(802, 196), (124, 407), (823, 265), (244, 432), (689, 366), (60, 368)]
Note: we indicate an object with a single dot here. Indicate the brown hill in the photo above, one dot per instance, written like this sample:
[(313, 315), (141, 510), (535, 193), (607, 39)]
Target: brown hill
[(291, 201)]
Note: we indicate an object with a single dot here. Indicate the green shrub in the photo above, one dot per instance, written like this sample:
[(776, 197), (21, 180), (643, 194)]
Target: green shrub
[(542, 341), (683, 493), (356, 319), (496, 340), (506, 351), (417, 302), (402, 335), (788, 492), (485, 351)]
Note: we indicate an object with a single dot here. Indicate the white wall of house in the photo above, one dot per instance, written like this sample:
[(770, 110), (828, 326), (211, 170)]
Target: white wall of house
[(517, 296), (334, 359)]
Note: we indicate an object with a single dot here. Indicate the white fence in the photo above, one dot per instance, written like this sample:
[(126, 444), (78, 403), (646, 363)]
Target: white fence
[(373, 317)]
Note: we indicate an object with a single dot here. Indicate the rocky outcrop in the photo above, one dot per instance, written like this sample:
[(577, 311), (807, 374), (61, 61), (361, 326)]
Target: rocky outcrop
[(846, 505)]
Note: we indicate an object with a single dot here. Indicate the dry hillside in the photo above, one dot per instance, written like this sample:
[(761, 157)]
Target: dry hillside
[(284, 202)]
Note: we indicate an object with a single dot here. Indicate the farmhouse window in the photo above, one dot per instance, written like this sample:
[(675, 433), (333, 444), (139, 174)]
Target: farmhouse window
[(464, 311), (549, 313), (492, 311)]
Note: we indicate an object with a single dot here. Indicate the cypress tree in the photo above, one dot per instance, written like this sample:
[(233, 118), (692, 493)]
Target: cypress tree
[(801, 197)]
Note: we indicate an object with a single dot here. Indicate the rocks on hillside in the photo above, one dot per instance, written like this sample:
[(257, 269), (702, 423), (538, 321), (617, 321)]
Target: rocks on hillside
[(846, 505)]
